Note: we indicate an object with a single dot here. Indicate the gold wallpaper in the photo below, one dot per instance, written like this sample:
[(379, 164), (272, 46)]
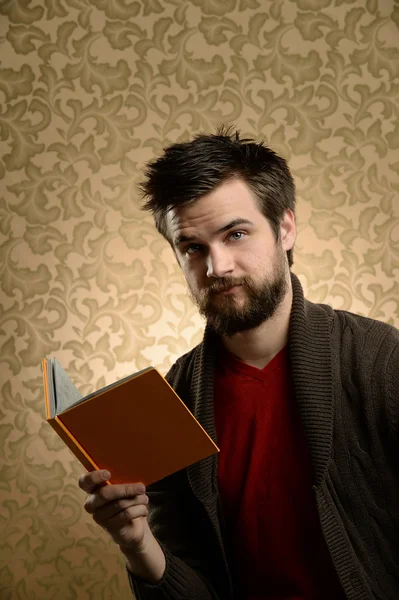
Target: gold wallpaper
[(89, 91)]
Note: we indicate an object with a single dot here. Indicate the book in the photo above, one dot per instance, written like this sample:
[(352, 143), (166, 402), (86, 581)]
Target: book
[(137, 428)]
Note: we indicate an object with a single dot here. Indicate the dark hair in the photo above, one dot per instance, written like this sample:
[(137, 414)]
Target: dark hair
[(187, 171)]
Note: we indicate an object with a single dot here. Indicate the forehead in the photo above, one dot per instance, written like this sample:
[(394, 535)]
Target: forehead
[(231, 200)]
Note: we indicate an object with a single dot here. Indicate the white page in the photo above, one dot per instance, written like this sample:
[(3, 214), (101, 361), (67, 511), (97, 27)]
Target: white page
[(66, 394)]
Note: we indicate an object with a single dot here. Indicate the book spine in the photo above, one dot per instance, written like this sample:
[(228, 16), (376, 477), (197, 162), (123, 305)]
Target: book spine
[(45, 379)]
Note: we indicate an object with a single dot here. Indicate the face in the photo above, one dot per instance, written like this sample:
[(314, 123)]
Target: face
[(236, 270)]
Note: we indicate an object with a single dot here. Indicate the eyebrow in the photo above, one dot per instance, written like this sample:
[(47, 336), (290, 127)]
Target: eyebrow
[(184, 238)]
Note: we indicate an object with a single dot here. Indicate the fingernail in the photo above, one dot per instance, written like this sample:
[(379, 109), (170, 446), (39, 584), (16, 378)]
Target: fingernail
[(106, 475), (140, 488)]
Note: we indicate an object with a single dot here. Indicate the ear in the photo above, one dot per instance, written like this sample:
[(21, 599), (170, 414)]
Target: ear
[(288, 230)]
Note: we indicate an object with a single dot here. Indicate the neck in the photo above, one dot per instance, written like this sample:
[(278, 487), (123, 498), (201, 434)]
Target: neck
[(257, 347)]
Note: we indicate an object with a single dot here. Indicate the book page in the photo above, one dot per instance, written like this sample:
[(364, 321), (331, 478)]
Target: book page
[(66, 394), (114, 384)]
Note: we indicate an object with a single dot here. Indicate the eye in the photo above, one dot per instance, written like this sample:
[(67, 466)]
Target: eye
[(192, 249), (237, 235)]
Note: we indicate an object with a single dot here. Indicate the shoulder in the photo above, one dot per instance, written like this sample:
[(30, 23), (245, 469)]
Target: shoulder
[(373, 344), (371, 334), (368, 352), (356, 326), (361, 345)]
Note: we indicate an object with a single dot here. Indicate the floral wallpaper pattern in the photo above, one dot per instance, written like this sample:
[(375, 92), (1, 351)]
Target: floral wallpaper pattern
[(89, 91)]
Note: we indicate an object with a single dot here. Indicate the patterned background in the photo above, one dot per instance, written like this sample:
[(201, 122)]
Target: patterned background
[(89, 91)]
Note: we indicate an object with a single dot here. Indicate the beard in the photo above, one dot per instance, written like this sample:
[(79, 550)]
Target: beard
[(226, 318)]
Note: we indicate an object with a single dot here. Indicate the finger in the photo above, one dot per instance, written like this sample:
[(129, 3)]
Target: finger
[(89, 482), (110, 510), (114, 524), (110, 493)]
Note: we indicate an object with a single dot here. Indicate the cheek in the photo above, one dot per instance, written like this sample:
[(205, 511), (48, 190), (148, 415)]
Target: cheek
[(253, 257), (191, 275), (259, 262)]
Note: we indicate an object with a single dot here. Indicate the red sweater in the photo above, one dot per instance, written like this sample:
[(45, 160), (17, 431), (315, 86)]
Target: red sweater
[(265, 482)]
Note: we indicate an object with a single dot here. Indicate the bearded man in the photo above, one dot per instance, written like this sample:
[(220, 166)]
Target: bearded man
[(302, 503)]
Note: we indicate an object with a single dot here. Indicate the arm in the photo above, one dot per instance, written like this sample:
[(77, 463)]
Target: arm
[(149, 563), (154, 572), (193, 564), (122, 511), (180, 582), (181, 527)]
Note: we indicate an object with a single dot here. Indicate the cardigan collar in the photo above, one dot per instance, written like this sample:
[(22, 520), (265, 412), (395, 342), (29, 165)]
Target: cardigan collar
[(311, 363)]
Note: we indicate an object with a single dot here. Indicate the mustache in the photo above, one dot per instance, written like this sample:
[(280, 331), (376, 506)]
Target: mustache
[(221, 285)]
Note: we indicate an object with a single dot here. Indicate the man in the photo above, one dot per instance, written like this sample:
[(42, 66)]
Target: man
[(302, 502)]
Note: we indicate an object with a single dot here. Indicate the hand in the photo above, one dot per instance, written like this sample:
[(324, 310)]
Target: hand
[(119, 509)]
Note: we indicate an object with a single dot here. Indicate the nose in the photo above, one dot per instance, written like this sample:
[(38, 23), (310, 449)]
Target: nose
[(219, 263)]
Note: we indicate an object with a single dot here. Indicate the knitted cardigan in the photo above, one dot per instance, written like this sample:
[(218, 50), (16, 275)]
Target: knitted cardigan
[(345, 371)]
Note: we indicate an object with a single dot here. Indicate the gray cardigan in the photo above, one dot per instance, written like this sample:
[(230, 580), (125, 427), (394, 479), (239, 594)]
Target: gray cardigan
[(345, 371)]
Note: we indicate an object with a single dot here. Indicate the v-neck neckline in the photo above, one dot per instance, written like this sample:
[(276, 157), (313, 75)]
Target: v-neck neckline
[(232, 362)]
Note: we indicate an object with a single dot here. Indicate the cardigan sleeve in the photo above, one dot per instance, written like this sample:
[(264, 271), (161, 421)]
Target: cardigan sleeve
[(180, 582)]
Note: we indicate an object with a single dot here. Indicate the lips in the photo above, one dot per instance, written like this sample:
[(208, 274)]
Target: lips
[(229, 290)]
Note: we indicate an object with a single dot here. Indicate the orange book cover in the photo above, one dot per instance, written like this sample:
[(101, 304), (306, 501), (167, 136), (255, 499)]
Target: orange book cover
[(137, 428)]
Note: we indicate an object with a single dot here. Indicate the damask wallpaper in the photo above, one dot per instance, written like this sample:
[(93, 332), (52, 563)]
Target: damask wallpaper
[(89, 91)]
